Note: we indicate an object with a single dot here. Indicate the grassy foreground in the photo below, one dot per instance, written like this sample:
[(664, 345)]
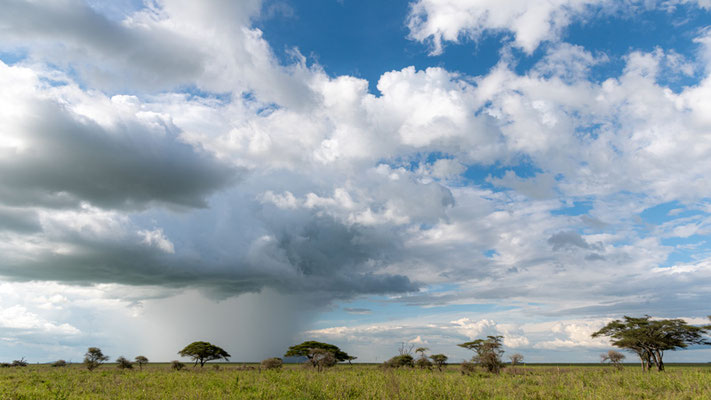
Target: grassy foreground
[(158, 381)]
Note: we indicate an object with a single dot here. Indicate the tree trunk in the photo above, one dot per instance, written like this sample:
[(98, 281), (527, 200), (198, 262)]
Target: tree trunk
[(660, 363)]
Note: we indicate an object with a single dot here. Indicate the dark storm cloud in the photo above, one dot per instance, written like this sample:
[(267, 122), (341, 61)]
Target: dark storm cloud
[(18, 220), (69, 160), (322, 259), (152, 58)]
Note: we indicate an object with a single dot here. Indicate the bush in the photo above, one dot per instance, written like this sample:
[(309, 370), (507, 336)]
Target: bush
[(19, 363), (468, 367), (403, 360), (423, 362), (5, 365), (59, 363), (123, 363), (177, 365), (272, 363), (614, 357)]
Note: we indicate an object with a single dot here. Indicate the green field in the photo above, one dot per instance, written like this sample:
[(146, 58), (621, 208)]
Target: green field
[(158, 381)]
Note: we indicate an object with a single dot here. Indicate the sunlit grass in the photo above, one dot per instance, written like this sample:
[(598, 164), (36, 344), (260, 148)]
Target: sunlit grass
[(158, 381)]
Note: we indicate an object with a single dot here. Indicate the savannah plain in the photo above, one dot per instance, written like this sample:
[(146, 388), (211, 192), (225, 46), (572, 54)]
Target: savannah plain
[(358, 381)]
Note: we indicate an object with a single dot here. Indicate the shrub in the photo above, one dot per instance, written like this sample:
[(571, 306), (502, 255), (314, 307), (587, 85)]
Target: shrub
[(123, 363), (59, 363), (614, 357), (403, 360), (19, 363), (5, 365), (516, 359), (468, 367), (177, 365), (272, 363), (423, 362)]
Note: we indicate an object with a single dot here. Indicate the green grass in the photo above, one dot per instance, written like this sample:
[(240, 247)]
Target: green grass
[(158, 381)]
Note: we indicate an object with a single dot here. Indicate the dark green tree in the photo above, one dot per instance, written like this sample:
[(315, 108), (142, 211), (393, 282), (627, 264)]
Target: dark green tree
[(488, 352), (313, 351), (202, 352), (440, 360), (650, 338), (141, 360)]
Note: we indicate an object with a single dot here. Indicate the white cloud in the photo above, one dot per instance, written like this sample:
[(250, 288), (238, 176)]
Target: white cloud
[(440, 21)]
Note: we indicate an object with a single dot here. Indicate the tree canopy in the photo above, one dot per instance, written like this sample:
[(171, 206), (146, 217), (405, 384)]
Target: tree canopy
[(94, 357), (202, 352), (650, 338), (488, 352), (306, 349)]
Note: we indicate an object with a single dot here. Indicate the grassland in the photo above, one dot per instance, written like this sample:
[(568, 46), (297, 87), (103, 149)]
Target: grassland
[(158, 381)]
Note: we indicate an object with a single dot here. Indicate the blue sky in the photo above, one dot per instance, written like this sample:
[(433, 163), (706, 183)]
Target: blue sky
[(365, 173)]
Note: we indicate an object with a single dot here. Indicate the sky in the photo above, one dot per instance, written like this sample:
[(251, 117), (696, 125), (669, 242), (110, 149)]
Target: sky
[(258, 173)]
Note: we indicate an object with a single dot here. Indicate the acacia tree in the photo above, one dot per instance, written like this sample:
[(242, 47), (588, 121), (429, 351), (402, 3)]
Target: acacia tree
[(614, 357), (440, 360), (423, 361), (488, 352), (140, 360), (94, 357), (315, 352), (202, 352), (649, 338)]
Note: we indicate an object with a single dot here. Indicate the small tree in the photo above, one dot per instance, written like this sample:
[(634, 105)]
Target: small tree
[(141, 360), (272, 363), (94, 358), (516, 359), (59, 363), (423, 361), (651, 338), (350, 359), (440, 360), (202, 352), (123, 363), (176, 365), (614, 357), (314, 352), (488, 352)]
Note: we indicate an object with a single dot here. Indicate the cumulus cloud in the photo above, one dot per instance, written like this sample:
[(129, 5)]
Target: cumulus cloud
[(440, 21), (59, 153)]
